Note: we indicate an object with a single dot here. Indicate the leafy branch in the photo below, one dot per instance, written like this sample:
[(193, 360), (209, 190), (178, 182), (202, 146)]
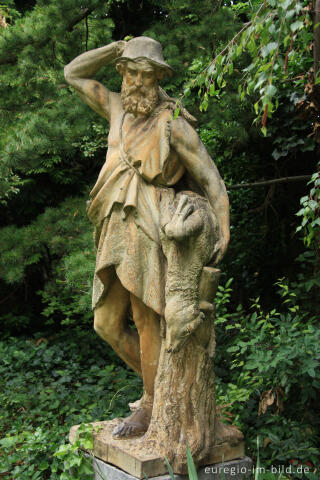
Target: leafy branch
[(275, 40)]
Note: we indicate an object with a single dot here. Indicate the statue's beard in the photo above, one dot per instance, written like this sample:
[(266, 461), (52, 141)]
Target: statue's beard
[(139, 100)]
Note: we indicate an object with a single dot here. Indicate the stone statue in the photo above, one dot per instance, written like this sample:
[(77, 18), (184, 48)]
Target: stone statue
[(161, 216)]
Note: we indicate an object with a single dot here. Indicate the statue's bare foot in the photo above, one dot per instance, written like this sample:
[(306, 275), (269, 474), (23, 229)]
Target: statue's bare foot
[(136, 424)]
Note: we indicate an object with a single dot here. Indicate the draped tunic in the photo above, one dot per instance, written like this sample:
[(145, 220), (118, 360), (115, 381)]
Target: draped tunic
[(139, 171)]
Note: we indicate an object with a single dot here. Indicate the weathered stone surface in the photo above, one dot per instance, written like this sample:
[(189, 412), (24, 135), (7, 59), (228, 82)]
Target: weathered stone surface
[(234, 470), (138, 457)]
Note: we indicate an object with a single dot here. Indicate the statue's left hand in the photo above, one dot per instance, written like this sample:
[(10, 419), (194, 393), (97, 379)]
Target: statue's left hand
[(185, 221)]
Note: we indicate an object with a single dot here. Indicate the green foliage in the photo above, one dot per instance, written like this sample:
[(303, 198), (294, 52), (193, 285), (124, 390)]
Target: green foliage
[(190, 30), (77, 463), (57, 248), (275, 38), (190, 464), (51, 149), (169, 469), (48, 384), (268, 364), (90, 145), (309, 212), (34, 49), (309, 278)]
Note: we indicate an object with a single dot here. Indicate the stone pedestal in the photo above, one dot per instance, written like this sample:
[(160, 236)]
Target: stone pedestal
[(139, 459), (234, 470)]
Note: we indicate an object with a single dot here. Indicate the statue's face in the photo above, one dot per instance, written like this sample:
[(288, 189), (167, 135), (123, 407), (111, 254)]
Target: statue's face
[(140, 74), (139, 92)]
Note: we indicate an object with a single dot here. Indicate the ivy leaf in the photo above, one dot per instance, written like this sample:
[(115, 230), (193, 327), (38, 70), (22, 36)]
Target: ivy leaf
[(311, 372), (9, 441), (285, 5), (290, 14), (43, 465), (62, 450), (296, 25)]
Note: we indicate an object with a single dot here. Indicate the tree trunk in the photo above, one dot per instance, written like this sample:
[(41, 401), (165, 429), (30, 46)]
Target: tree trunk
[(184, 405)]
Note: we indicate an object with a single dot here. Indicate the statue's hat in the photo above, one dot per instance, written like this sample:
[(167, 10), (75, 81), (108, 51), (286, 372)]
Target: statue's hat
[(144, 48)]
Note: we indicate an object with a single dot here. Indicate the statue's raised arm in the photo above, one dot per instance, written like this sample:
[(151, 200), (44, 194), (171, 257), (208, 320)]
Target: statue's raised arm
[(80, 71)]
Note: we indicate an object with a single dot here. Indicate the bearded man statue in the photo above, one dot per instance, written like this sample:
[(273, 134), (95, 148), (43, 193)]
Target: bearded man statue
[(154, 239)]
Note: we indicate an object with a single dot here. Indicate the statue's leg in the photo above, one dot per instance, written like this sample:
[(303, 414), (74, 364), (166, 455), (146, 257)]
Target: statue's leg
[(148, 326), (110, 322)]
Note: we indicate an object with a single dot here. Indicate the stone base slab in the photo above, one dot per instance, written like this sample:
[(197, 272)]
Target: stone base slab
[(138, 458), (234, 470)]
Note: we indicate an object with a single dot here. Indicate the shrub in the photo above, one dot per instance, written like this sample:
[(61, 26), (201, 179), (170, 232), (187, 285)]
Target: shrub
[(48, 384), (269, 376)]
